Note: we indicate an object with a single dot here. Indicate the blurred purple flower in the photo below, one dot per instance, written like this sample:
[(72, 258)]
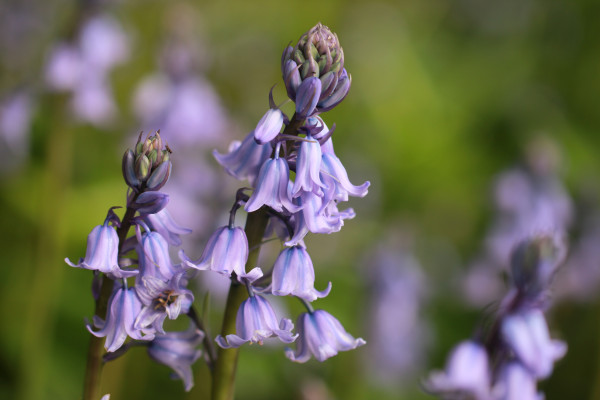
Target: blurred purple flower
[(527, 335), (244, 159), (467, 374), (178, 350), (517, 383), (163, 223)]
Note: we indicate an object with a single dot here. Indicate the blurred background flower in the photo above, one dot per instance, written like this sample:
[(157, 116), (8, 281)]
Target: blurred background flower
[(446, 96)]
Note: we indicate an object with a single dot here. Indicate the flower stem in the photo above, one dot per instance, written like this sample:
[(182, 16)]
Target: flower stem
[(93, 368), (225, 367)]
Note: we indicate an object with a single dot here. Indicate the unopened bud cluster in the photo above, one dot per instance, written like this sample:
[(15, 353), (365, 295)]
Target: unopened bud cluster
[(148, 166)]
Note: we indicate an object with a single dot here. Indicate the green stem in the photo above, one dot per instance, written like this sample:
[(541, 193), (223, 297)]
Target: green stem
[(226, 365), (93, 368)]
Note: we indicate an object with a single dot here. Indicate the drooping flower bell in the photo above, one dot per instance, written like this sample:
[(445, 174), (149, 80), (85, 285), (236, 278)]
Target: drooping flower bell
[(102, 252), (178, 350), (226, 252), (163, 223), (154, 258), (317, 56), (147, 167), (293, 273), (244, 159), (466, 376), (527, 335), (255, 322), (322, 336), (123, 308)]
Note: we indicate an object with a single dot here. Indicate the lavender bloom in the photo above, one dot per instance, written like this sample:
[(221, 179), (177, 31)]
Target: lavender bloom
[(123, 307), (293, 273), (255, 322), (341, 91), (226, 252), (269, 126), (162, 299), (154, 258), (244, 159), (322, 336), (272, 187), (307, 168), (466, 376), (178, 350), (102, 253), (163, 223), (527, 335), (517, 383), (334, 173)]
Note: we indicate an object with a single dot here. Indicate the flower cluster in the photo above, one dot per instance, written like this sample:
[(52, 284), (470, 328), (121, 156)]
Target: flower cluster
[(278, 149), (517, 351), (159, 292)]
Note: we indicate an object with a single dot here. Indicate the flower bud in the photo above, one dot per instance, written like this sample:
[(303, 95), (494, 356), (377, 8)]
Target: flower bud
[(128, 168), (150, 202), (159, 176), (142, 167), (317, 54), (534, 262)]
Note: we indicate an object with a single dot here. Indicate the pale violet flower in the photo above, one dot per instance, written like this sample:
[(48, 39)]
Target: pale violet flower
[(255, 322), (293, 273), (226, 252), (123, 307), (527, 335), (272, 187), (178, 350), (102, 252), (517, 383), (321, 335), (308, 166), (467, 374), (307, 96), (162, 299), (244, 159), (163, 223), (154, 258)]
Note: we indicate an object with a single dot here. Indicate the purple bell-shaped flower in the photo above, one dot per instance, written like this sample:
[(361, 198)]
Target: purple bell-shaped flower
[(178, 351), (527, 334), (269, 126), (123, 307), (467, 374), (244, 159), (255, 322), (308, 167), (322, 336), (163, 223), (293, 273), (154, 257), (102, 253)]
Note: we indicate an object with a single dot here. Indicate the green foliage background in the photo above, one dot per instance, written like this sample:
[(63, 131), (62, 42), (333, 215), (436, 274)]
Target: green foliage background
[(445, 95)]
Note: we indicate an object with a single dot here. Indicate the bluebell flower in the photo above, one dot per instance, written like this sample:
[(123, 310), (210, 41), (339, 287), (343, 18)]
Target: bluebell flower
[(272, 187), (102, 253), (517, 383), (322, 336), (467, 374), (226, 252), (291, 77), (244, 159), (163, 223), (527, 335), (178, 350), (269, 126), (308, 166), (162, 299), (154, 258), (293, 273), (334, 173), (255, 322), (123, 307)]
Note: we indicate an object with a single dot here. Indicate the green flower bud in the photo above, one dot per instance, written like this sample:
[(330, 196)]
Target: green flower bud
[(142, 167), (318, 51)]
